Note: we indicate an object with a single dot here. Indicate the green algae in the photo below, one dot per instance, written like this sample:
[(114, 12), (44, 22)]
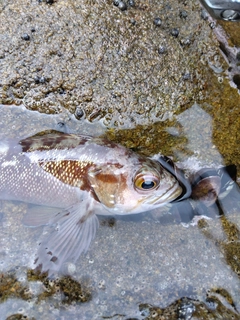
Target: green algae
[(186, 308), (71, 291), (150, 140), (10, 287)]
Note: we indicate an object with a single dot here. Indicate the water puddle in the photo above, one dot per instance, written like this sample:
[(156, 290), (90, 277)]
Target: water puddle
[(156, 265)]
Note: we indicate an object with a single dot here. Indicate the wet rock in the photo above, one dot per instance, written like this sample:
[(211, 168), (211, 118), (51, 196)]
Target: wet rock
[(113, 57)]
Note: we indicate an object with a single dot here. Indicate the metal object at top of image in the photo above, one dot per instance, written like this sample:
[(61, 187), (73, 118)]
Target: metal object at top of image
[(228, 10)]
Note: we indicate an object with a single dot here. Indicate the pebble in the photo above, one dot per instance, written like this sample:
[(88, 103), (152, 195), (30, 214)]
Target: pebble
[(175, 32), (122, 5), (42, 79), (162, 50), (131, 3), (183, 14), (25, 37), (79, 113), (204, 14), (157, 21), (116, 2)]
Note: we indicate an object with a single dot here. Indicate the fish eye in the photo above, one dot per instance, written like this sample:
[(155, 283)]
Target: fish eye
[(146, 181)]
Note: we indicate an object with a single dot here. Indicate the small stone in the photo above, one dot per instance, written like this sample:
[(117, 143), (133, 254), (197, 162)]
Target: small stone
[(212, 25), (79, 113), (204, 14), (175, 32), (122, 5), (157, 21), (162, 50), (37, 79), (25, 37), (116, 2), (183, 14), (186, 76), (131, 3), (42, 80), (133, 22)]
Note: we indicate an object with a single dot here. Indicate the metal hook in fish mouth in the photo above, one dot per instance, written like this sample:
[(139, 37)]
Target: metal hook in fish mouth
[(168, 164)]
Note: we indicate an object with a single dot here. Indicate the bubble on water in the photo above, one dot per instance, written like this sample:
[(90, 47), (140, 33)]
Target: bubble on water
[(21, 279), (71, 267), (118, 283), (21, 310)]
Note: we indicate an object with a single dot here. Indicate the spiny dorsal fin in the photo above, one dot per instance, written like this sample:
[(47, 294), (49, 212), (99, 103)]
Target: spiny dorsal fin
[(51, 141)]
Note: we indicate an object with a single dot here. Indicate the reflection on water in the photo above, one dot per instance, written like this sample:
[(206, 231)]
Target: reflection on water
[(172, 263)]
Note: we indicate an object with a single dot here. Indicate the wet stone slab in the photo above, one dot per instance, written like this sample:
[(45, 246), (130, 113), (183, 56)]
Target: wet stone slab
[(136, 267), (92, 64)]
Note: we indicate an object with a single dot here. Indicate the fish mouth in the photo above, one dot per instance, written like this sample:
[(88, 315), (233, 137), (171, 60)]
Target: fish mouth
[(169, 166), (170, 195)]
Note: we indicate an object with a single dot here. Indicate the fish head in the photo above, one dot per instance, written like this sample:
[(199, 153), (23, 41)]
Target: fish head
[(135, 187)]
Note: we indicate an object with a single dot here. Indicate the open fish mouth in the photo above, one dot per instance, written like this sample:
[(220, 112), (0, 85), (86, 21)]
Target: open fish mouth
[(170, 195), (168, 165)]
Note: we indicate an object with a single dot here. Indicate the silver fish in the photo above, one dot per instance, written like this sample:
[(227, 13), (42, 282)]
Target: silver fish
[(76, 177)]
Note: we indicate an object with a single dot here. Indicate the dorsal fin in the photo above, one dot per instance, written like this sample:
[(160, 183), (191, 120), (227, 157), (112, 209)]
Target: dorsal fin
[(49, 141)]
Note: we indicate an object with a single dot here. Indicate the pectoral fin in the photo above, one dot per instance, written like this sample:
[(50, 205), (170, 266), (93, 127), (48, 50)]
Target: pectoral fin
[(69, 236)]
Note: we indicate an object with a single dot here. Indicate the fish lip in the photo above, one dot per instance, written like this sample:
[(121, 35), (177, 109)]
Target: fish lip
[(168, 165), (170, 196)]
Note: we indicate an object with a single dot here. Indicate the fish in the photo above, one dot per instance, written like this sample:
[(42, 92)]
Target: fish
[(68, 179)]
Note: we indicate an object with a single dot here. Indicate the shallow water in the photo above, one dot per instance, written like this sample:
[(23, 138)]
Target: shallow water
[(136, 268)]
